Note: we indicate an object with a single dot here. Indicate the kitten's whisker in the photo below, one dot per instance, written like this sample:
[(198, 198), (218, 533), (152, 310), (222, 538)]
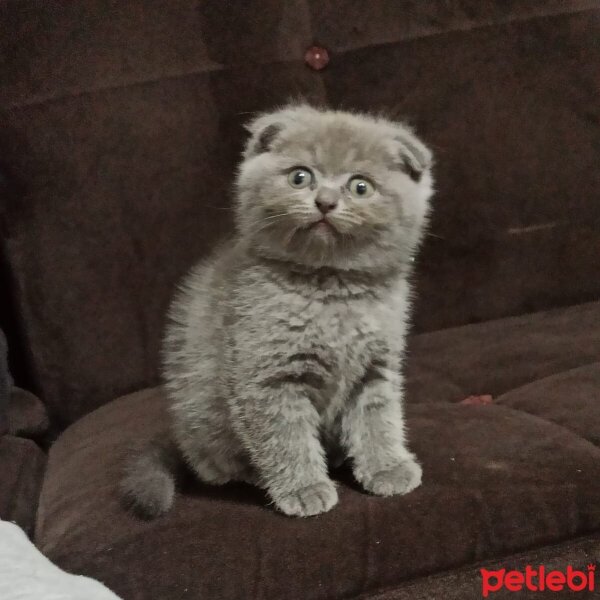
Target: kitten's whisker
[(348, 220), (288, 239), (266, 226), (275, 216), (219, 207), (269, 221)]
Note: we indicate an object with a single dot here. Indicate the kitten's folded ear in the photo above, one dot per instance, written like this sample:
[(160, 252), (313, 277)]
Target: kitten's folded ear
[(411, 154), (263, 131)]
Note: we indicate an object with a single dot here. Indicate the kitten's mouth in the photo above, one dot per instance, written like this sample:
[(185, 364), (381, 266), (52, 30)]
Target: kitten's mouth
[(323, 225)]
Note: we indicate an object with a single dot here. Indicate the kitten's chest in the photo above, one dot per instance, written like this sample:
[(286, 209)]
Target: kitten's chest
[(329, 331), (337, 336), (348, 320), (344, 328), (344, 336)]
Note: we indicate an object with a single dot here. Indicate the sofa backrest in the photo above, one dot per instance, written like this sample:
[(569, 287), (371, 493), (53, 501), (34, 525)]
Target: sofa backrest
[(121, 124)]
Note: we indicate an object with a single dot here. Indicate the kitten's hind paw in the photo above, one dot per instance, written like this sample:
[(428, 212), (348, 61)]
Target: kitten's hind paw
[(401, 479), (310, 500)]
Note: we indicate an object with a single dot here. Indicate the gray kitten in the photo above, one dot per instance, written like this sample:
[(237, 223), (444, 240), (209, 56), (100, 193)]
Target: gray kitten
[(286, 346)]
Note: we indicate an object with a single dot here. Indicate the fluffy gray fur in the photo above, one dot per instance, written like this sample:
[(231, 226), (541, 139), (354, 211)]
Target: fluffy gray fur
[(285, 347)]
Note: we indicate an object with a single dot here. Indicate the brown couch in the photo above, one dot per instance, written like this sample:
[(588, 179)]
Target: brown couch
[(120, 126)]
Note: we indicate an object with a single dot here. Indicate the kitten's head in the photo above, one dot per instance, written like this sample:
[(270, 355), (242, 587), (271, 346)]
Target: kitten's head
[(330, 188)]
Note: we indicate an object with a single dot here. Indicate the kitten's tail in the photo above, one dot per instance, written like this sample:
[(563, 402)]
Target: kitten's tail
[(148, 484)]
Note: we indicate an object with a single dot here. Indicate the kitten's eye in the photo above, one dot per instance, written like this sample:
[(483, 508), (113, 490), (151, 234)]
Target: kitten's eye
[(300, 177), (360, 187)]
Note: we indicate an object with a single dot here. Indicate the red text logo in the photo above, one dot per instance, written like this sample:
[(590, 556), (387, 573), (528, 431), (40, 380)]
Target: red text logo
[(538, 580)]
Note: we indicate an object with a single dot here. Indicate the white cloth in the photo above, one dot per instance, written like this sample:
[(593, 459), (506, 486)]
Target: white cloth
[(26, 574)]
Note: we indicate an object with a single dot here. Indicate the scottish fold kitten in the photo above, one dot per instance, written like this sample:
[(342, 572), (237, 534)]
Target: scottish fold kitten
[(285, 347)]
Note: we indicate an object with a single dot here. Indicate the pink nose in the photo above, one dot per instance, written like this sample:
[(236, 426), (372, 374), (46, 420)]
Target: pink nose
[(325, 206), (326, 203)]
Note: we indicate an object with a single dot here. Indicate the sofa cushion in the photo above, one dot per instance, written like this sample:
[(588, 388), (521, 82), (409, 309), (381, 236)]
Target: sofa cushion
[(22, 466), (142, 40), (497, 356), (27, 415), (570, 399), (497, 480)]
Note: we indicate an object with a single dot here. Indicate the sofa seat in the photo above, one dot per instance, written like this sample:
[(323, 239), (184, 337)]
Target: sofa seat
[(517, 477), (22, 465)]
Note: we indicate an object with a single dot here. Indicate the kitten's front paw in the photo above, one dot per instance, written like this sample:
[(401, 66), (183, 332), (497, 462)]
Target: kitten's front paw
[(310, 500), (401, 479)]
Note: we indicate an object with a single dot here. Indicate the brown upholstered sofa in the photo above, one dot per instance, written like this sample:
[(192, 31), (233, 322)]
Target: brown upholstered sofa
[(120, 126)]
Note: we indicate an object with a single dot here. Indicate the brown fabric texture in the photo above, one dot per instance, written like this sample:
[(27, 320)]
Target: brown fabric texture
[(27, 415), (465, 584), (121, 126), (57, 49), (6, 380), (497, 481), (22, 466), (570, 399), (497, 356)]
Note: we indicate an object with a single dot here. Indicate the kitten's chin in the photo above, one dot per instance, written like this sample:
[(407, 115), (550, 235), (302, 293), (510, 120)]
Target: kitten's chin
[(320, 245), (314, 244), (322, 232)]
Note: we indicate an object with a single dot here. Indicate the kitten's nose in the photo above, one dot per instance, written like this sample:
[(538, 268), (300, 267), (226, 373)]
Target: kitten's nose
[(326, 201)]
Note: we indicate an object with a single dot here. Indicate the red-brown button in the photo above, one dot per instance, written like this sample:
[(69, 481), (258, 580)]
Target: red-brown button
[(316, 58), (482, 400)]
